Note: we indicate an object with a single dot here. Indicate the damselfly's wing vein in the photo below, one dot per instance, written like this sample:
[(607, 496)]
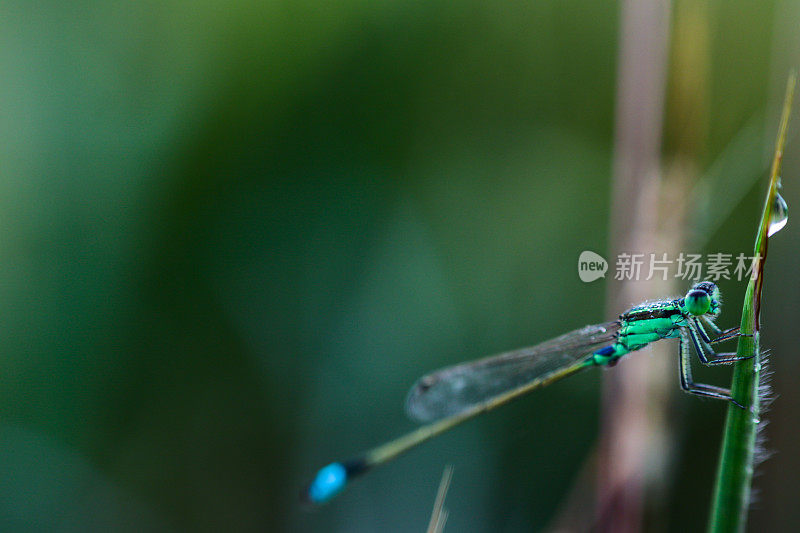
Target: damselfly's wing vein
[(453, 389)]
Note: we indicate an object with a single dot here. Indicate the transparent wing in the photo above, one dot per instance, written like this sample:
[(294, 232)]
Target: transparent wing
[(451, 390)]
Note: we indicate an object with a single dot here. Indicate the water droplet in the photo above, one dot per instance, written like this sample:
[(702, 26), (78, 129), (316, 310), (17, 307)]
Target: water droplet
[(779, 184), (780, 214)]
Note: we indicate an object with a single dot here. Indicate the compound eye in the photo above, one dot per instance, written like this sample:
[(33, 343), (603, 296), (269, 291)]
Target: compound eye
[(697, 302)]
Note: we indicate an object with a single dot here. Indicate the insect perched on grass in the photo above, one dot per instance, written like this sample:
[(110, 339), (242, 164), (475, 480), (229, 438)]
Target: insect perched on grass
[(454, 394)]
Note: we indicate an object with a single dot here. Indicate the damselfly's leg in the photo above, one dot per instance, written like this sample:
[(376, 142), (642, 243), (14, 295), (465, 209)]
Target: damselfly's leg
[(721, 335), (710, 325), (703, 352), (700, 389), (729, 334)]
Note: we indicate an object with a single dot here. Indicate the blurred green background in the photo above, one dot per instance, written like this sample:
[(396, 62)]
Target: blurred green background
[(234, 234)]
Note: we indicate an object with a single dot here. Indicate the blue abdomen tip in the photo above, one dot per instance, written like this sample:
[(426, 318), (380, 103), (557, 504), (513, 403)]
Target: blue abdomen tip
[(329, 482)]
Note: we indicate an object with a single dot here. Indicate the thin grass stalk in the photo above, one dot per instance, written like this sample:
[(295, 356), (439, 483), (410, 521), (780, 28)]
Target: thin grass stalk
[(735, 472)]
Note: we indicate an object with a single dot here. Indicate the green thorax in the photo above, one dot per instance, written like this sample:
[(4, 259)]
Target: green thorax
[(643, 324)]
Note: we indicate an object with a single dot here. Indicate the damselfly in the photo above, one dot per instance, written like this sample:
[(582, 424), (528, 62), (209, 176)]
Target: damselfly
[(447, 397)]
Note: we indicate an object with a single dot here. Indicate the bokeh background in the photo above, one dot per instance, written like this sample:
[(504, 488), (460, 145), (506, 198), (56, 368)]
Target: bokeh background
[(233, 234)]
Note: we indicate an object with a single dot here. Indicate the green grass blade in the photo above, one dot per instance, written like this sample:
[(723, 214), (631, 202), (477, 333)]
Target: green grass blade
[(734, 475)]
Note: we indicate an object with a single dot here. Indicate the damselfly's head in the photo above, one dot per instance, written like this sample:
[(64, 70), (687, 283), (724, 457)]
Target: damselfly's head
[(703, 299)]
